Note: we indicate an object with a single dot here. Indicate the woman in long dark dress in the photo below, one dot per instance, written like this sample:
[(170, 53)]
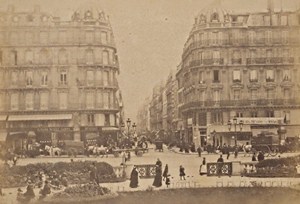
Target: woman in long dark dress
[(134, 178), (158, 177), (166, 172)]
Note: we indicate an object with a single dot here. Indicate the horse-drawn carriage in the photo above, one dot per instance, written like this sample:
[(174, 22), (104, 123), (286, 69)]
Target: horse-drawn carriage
[(159, 145), (263, 143)]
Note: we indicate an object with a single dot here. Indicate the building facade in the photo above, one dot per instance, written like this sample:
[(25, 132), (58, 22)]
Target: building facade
[(59, 78), (243, 65)]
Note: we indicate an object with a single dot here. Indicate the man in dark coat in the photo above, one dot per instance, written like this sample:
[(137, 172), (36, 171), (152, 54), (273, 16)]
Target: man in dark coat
[(220, 159), (158, 162), (93, 173), (166, 172), (181, 172), (134, 178)]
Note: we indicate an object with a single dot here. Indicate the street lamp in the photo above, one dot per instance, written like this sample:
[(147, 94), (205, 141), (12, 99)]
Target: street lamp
[(235, 123), (214, 138), (128, 124)]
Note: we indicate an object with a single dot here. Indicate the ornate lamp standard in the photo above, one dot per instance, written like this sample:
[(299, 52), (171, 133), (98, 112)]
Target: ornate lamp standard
[(128, 126), (235, 123)]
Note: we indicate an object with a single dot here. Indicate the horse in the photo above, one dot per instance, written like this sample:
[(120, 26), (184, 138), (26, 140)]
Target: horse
[(247, 149), (100, 151), (53, 150)]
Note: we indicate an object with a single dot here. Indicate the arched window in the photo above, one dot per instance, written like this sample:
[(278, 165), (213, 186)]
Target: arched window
[(44, 57), (215, 17), (62, 57)]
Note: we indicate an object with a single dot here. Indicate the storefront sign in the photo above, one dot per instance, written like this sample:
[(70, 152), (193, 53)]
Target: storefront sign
[(260, 121), (90, 129), (53, 129)]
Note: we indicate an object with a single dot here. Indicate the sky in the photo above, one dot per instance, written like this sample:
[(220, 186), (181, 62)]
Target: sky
[(149, 34)]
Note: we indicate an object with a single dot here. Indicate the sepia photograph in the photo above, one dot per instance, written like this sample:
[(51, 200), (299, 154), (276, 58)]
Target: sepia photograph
[(149, 101)]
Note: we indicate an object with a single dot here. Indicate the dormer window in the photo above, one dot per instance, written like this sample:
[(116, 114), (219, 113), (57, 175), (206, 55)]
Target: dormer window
[(202, 19), (215, 17), (88, 15), (234, 19)]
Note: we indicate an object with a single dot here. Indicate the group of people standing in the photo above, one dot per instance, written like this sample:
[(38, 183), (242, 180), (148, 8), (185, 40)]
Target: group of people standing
[(159, 177)]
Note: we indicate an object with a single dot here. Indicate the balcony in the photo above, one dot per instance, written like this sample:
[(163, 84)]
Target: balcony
[(236, 61), (213, 61), (239, 103), (256, 61)]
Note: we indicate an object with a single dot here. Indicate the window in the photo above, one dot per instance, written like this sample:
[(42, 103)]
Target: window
[(216, 95), (236, 76), (62, 100), (214, 38), (62, 57), (270, 75), (90, 77), (200, 57), (14, 78), (217, 117), (104, 37), (216, 54), (105, 100), (89, 100), (89, 36), (253, 94), (285, 35), (44, 57), (29, 37), (29, 101), (89, 56), (283, 20), (270, 113), (105, 57), (270, 94), (286, 75), (236, 94), (253, 76), (251, 36), (44, 98), (285, 54), (201, 77), (267, 21), (202, 95), (44, 81), (14, 38), (111, 100), (106, 120), (14, 57), (28, 57), (254, 114), (91, 119), (216, 77), (14, 101), (98, 77), (269, 54), (252, 54), (105, 78), (29, 78), (286, 94), (239, 114), (236, 57), (43, 37), (99, 99), (62, 37), (268, 36), (63, 77)]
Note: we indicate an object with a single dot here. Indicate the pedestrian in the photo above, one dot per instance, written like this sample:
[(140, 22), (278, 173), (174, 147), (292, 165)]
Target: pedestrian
[(128, 156), (46, 190), (181, 172), (203, 169), (260, 156), (158, 162), (220, 159), (254, 157), (236, 152), (166, 171), (123, 158), (158, 177), (134, 178), (15, 159), (29, 194), (168, 180), (199, 150)]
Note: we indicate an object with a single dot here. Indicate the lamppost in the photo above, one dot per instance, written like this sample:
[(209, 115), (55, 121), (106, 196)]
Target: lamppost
[(214, 138), (128, 126), (235, 123)]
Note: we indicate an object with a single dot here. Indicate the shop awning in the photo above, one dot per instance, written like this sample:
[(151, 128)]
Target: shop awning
[(110, 129), (16, 135), (39, 117), (3, 117)]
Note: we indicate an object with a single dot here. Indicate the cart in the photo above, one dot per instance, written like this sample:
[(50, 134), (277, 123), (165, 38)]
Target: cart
[(159, 145)]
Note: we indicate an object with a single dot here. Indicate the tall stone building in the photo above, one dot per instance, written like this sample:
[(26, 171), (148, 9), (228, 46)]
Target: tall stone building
[(243, 65), (58, 78)]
